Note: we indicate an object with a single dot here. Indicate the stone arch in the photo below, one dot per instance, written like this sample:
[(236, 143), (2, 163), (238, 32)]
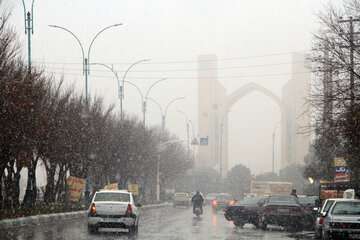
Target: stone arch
[(230, 100), (246, 89)]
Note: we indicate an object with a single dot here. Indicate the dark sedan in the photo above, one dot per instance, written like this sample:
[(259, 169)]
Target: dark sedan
[(282, 210), (244, 211)]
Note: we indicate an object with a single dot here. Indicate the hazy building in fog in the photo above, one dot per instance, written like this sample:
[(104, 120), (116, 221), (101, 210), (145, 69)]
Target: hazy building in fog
[(214, 104), (211, 96), (296, 114)]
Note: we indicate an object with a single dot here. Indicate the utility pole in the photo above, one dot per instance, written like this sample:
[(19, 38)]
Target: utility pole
[(29, 29)]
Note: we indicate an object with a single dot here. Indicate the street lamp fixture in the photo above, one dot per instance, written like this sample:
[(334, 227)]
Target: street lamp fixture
[(86, 58)]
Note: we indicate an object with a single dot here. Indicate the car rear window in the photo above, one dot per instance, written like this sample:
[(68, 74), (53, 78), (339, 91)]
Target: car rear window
[(307, 200), (327, 206), (112, 197), (287, 199), (346, 208), (250, 201), (224, 197)]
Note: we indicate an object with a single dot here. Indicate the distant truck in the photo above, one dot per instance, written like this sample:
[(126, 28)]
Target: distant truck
[(267, 188)]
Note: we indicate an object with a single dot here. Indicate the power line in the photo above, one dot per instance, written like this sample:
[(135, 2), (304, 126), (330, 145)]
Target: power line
[(194, 61), (193, 78), (186, 70)]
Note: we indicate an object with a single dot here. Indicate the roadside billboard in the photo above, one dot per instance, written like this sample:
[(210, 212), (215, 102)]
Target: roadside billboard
[(342, 172), (261, 188), (111, 186), (134, 189), (75, 187)]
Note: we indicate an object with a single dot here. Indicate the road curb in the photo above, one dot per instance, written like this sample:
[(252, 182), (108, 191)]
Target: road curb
[(48, 218)]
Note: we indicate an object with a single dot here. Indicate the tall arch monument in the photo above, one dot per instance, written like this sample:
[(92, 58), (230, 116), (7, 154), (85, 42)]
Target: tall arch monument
[(214, 104)]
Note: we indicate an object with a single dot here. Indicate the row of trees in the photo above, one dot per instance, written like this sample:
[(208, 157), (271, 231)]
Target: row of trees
[(44, 122), (336, 92)]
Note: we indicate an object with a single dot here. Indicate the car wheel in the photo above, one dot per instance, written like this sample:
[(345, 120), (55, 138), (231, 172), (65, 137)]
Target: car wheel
[(262, 224), (317, 234), (92, 229), (238, 224), (133, 230), (324, 235)]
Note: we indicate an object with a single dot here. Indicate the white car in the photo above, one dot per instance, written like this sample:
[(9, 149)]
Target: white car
[(341, 221), (113, 209)]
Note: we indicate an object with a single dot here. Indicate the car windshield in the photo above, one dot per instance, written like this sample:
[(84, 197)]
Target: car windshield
[(346, 208), (112, 197)]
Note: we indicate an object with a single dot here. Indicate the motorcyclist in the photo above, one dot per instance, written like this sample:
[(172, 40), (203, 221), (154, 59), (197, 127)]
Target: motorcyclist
[(197, 201)]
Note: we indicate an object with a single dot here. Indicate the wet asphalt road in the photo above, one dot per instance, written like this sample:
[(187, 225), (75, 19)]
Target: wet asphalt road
[(157, 224)]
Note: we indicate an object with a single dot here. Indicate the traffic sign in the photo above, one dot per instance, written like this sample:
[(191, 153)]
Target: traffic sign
[(204, 141)]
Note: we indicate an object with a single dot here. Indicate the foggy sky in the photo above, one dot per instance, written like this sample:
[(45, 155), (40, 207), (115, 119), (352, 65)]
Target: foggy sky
[(172, 34)]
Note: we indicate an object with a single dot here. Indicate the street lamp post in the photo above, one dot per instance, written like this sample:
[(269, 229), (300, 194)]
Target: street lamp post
[(161, 148), (111, 68), (122, 86), (29, 29), (165, 112), (221, 143), (188, 124), (273, 146), (146, 97), (86, 72), (86, 58)]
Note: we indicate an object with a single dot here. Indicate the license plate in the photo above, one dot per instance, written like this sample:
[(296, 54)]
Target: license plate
[(354, 236), (283, 211), (116, 220)]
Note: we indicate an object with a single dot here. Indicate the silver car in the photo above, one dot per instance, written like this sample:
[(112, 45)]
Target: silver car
[(320, 217), (113, 209), (342, 221)]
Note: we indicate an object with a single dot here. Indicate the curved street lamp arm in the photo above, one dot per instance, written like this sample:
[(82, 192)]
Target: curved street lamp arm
[(128, 69), (132, 65), (189, 122), (148, 91), (157, 104), (97, 35), (111, 68), (23, 2), (171, 102), (184, 114), (138, 89), (108, 67), (77, 39)]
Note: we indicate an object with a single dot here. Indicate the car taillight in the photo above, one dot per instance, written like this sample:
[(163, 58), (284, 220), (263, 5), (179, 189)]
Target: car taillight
[(129, 210), (214, 203), (92, 209), (268, 210), (321, 220)]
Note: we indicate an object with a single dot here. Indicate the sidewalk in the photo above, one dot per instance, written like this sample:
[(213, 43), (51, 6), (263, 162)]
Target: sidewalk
[(49, 218)]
